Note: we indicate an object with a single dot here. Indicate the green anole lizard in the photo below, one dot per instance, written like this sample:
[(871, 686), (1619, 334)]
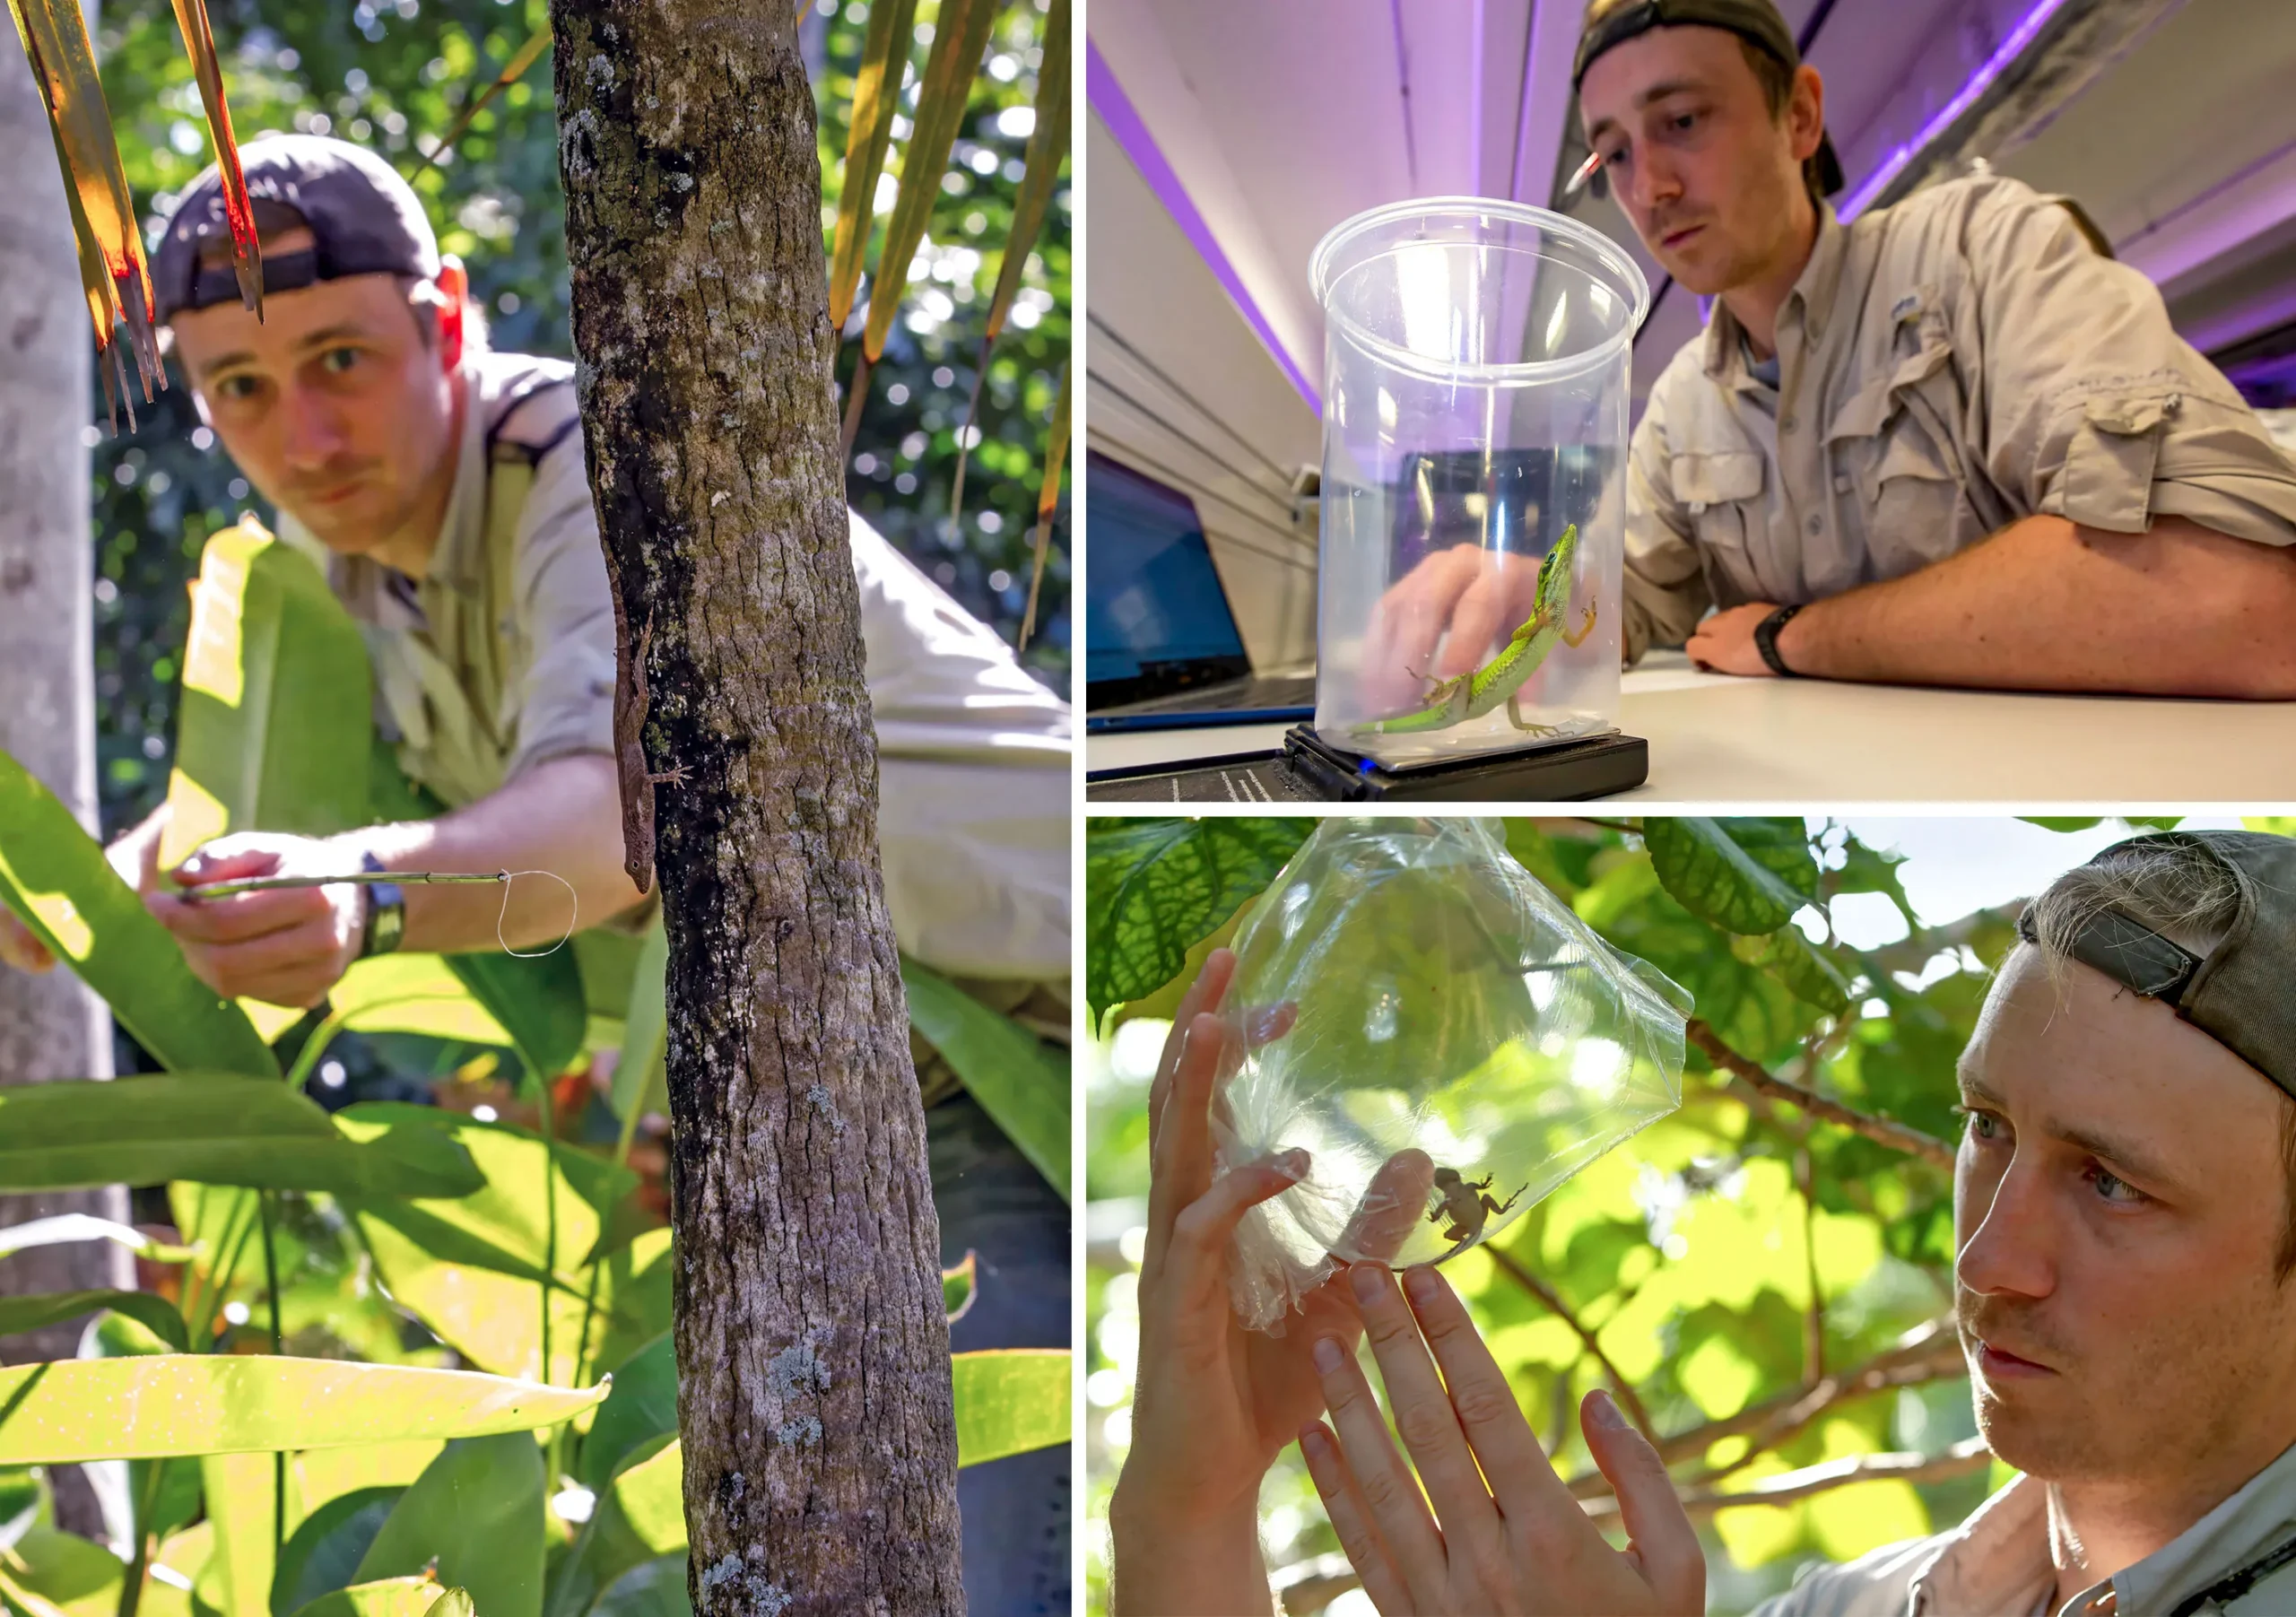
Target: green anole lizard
[(1467, 1204), (637, 781), (1475, 692)]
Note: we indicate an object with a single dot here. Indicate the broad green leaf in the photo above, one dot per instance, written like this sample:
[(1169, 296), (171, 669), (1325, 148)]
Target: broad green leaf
[(414, 993), (64, 1572), (640, 1079), (959, 1287), (651, 1497), (456, 1602), (55, 878), (1791, 958), (325, 1552), (1152, 888), (876, 98), (538, 1000), (642, 1405), (154, 1312), (653, 1589), (276, 717), (243, 1502), (608, 961), (1716, 869), (197, 1404), (1021, 1081), (189, 1125), (66, 1227), (960, 30), (476, 1514), (1010, 1400), (385, 1597)]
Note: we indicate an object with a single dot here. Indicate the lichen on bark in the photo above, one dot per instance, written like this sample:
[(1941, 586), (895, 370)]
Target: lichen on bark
[(814, 1396)]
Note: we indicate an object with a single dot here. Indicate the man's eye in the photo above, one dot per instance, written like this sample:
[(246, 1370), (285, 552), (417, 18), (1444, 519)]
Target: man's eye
[(2115, 1189), (1682, 122), (1982, 1125), (1612, 160), (237, 387), (339, 359)]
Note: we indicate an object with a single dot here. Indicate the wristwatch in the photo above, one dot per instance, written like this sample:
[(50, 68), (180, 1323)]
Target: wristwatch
[(1766, 641), (385, 922)]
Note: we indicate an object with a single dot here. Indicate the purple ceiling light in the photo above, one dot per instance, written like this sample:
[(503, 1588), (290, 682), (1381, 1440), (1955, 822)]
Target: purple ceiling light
[(1107, 98), (2006, 52)]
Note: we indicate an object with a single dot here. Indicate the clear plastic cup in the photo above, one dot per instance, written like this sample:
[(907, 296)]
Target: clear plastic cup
[(1476, 363)]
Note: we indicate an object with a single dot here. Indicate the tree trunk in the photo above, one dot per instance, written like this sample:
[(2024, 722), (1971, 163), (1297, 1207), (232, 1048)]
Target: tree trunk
[(812, 1352), (51, 1026)]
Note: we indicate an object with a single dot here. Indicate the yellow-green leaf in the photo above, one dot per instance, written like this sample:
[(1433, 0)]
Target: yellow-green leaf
[(876, 92), (1021, 1081), (384, 1597), (1010, 1400)]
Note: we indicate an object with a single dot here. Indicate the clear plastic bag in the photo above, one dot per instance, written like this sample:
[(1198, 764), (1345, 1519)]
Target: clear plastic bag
[(1442, 1035)]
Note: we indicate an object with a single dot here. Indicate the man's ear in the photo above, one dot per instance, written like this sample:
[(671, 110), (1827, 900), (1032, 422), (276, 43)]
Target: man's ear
[(1805, 112), (454, 288)]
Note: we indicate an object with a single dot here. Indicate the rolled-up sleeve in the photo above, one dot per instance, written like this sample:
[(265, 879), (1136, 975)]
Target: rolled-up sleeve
[(564, 699), (2093, 408), (1666, 591)]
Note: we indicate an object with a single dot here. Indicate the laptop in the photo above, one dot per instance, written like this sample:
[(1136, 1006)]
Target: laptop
[(1162, 651)]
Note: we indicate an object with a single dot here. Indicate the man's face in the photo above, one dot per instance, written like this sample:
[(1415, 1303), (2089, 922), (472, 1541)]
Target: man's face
[(2117, 1203), (333, 405), (1708, 178)]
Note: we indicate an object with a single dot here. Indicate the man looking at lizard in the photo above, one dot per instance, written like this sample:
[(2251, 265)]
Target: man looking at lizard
[(1945, 444)]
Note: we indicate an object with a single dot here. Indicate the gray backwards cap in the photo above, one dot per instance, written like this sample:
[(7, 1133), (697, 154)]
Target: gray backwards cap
[(2243, 992), (364, 220)]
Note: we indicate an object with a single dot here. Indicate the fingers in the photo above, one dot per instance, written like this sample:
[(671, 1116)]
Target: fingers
[(1390, 1209), (1486, 612), (1658, 1528), (1195, 1270), (1180, 1169), (1351, 1519), (243, 916), (1423, 1415), (20, 947), (1204, 994), (294, 966), (1519, 1475), (1391, 1493), (1409, 620)]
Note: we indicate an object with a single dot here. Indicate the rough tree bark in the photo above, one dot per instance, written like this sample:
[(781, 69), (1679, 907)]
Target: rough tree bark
[(812, 1354), (51, 1026)]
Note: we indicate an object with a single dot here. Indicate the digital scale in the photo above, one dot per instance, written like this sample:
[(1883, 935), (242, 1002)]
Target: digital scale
[(1310, 769)]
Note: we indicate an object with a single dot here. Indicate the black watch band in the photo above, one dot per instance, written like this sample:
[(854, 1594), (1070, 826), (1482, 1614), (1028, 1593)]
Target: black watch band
[(1766, 641), (386, 922)]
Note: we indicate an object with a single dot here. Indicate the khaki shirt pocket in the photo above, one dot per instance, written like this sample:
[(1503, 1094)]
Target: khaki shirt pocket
[(1720, 492), (2108, 479), (1890, 445)]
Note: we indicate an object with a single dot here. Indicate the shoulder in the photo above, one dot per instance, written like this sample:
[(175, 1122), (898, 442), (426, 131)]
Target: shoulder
[(1968, 218), (526, 401), (1877, 1584)]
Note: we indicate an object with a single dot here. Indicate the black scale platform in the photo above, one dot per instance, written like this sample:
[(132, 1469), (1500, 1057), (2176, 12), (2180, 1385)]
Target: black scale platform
[(1309, 770)]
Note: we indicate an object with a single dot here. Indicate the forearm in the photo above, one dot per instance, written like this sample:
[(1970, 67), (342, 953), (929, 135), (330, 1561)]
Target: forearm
[(2047, 606), (1206, 1569), (563, 816)]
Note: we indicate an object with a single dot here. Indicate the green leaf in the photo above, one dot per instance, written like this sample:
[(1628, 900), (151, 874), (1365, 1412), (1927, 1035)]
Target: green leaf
[(66, 1227), (55, 878), (189, 1125), (653, 1589), (876, 97), (642, 1406), (538, 1000), (959, 1287), (1789, 957), (650, 1496), (2062, 822), (414, 993), (476, 1513), (640, 1082), (197, 1403), (454, 1603), (1742, 875), (66, 1571), (1010, 1400), (384, 1597), (1152, 888), (276, 721), (243, 1505), (324, 1553), (1021, 1081), (154, 1312)]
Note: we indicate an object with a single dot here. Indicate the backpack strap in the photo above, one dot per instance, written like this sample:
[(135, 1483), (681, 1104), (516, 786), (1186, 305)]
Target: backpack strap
[(2232, 1585)]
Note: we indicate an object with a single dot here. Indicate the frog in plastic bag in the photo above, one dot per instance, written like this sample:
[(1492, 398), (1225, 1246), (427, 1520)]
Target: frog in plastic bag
[(1446, 1039)]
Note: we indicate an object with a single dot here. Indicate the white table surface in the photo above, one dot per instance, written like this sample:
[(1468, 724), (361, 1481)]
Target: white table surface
[(1718, 740)]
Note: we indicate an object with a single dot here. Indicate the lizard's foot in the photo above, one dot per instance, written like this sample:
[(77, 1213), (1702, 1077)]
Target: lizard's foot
[(1514, 717), (673, 776), (1586, 628)]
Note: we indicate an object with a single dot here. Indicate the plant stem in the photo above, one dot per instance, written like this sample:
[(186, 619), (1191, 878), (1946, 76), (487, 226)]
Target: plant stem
[(279, 1457), (1882, 1131), (139, 1570)]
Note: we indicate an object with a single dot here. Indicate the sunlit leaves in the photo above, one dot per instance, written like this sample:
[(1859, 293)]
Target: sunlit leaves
[(1153, 887), (876, 88)]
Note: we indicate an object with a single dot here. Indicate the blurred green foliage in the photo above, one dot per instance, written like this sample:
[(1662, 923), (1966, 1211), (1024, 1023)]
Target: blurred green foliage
[(395, 74), (1691, 1254)]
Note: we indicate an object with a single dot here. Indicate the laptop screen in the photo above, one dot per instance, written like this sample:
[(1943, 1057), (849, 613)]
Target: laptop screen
[(1156, 617)]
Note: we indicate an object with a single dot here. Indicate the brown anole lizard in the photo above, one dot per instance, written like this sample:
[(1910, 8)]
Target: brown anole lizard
[(1466, 1206), (637, 782)]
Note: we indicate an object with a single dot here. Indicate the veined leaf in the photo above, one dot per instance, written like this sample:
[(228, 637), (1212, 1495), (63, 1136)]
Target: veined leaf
[(1152, 888), (1021, 1081), (1791, 958), (277, 705), (384, 1597), (1010, 1400), (196, 1126), (154, 1312), (247, 252), (475, 1514), (1745, 877), (1047, 502), (200, 1403), (876, 93), (959, 32), (55, 878)]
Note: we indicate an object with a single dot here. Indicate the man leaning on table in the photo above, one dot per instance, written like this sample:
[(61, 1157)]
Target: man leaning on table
[(1950, 443)]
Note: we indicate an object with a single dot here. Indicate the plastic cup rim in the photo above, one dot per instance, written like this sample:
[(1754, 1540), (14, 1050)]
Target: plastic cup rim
[(1597, 245)]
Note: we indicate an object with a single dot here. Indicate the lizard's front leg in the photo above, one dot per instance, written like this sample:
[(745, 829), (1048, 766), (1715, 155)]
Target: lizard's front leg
[(1584, 628)]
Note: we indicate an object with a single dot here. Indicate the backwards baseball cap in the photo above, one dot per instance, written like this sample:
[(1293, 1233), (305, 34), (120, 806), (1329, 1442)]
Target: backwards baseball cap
[(364, 220), (1756, 21), (2240, 994)]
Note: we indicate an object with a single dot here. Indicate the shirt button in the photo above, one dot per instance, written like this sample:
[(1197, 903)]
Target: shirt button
[(1841, 485), (1787, 425), (1816, 527)]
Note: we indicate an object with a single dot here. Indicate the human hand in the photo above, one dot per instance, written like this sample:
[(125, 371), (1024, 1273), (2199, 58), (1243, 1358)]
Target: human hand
[(286, 946), (1505, 1535), (136, 856), (1724, 643), (1440, 621), (1216, 1402)]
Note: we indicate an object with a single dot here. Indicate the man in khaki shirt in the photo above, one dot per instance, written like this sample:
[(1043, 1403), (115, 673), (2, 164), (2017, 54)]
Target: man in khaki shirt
[(1948, 443)]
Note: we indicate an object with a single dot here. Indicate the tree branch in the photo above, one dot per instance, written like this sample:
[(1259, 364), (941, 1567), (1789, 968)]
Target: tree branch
[(1960, 1460), (1628, 1400), (1884, 1131), (1814, 1326)]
